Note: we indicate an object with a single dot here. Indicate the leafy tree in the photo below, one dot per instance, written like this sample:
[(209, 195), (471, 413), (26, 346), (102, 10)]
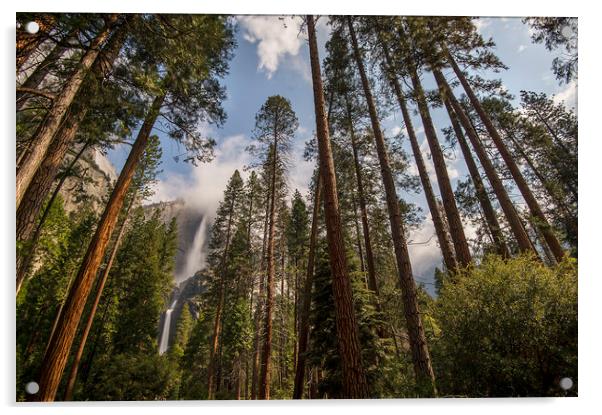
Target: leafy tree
[(516, 334)]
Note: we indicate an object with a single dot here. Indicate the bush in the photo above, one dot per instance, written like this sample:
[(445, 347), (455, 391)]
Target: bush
[(507, 328)]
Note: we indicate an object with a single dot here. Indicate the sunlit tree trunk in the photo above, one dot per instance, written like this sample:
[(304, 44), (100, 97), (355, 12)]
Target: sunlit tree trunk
[(354, 376), (447, 250), (60, 343), (41, 182), (420, 353), (522, 238), (488, 211), (25, 258), (536, 211), (447, 194), (44, 135), (103, 279)]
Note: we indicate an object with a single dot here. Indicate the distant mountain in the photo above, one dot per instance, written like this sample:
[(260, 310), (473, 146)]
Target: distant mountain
[(192, 235)]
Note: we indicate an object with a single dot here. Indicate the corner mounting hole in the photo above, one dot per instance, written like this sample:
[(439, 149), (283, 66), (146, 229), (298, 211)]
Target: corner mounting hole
[(32, 388), (566, 383), (32, 27)]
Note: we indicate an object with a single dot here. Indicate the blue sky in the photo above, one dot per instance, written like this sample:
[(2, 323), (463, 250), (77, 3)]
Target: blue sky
[(272, 58)]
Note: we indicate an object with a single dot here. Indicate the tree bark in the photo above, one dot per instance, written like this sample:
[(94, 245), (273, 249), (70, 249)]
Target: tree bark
[(493, 224), (423, 370), (447, 194), (303, 338), (24, 259), (264, 384), (260, 304), (220, 306), (41, 182), (34, 80), (354, 376), (447, 250), (536, 211), (105, 275), (52, 122), (60, 343), (522, 238)]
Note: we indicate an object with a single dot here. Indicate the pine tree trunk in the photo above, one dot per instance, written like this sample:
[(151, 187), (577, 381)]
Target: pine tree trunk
[(358, 235), (522, 238), (259, 308), (60, 343), (264, 384), (41, 182), (52, 122), (220, 306), (354, 376), (493, 224), (307, 293), (34, 80), (447, 250), (373, 284), (103, 279), (543, 224), (447, 194), (24, 259), (423, 370)]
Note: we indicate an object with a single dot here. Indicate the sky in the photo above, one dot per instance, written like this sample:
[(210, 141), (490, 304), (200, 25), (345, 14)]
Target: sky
[(271, 58)]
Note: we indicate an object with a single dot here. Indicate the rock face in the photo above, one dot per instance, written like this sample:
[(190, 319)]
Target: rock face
[(94, 180), (192, 236)]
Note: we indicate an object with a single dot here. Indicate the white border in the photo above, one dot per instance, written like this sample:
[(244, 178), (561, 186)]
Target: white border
[(590, 151)]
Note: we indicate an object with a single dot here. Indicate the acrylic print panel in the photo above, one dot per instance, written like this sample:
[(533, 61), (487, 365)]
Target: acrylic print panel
[(295, 207)]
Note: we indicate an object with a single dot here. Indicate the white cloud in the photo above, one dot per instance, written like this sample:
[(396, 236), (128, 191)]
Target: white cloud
[(202, 189), (276, 38), (521, 48), (568, 95), (424, 251)]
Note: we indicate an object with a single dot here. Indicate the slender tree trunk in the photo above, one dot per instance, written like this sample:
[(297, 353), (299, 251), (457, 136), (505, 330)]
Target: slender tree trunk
[(52, 122), (303, 337), (220, 306), (373, 285), (24, 259), (354, 376), (447, 194), (59, 344), (260, 304), (536, 211), (423, 370), (358, 234), (447, 250), (522, 238), (41, 182), (105, 275), (264, 384), (307, 293), (493, 224)]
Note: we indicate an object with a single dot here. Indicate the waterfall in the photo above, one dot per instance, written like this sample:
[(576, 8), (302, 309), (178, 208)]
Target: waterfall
[(165, 332), (195, 255)]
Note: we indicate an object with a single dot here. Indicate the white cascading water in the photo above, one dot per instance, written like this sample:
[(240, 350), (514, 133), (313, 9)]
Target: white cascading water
[(195, 256), (165, 332)]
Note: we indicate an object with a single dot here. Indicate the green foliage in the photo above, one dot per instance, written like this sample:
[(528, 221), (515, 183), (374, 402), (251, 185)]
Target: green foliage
[(136, 377), (507, 328)]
